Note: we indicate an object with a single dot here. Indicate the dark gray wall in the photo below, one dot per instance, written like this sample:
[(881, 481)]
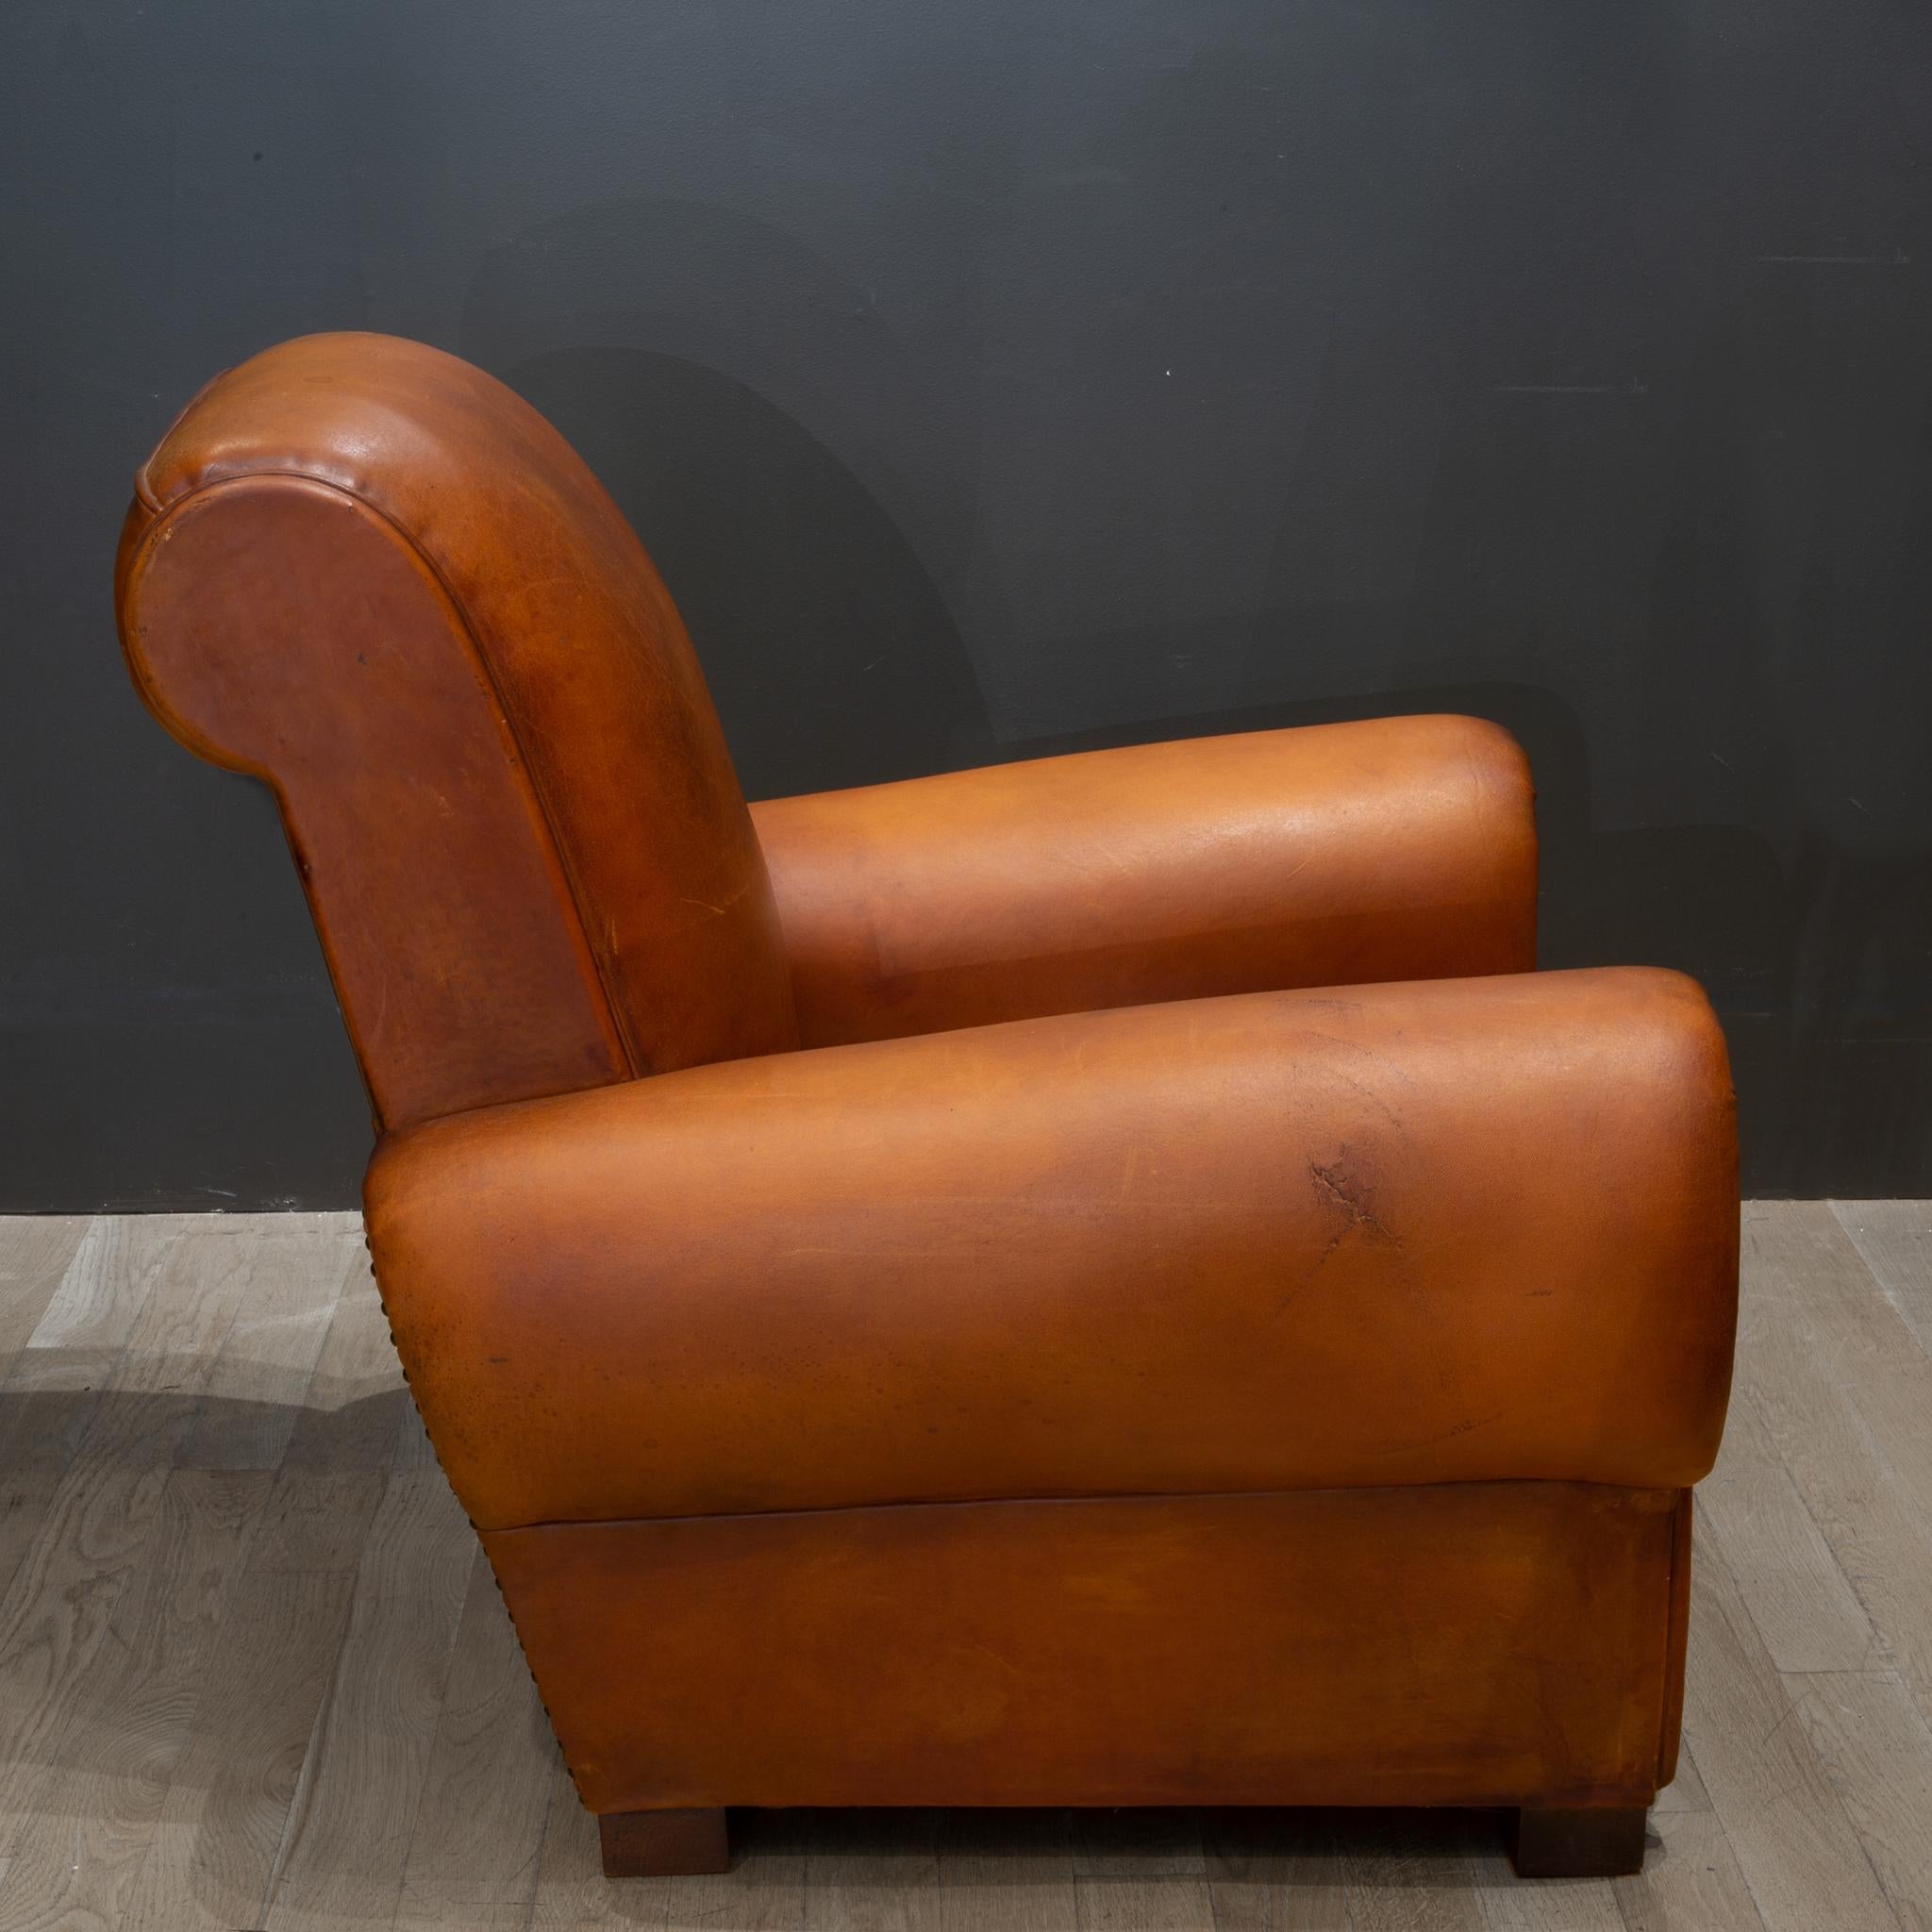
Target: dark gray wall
[(997, 377)]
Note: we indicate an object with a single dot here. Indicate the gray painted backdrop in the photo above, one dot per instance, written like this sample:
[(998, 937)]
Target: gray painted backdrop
[(990, 379)]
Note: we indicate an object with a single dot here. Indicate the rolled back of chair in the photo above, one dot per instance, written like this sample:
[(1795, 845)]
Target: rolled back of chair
[(368, 574)]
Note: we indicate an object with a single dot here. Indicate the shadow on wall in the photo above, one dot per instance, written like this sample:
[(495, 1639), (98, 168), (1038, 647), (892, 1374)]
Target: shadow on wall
[(826, 644), (797, 587)]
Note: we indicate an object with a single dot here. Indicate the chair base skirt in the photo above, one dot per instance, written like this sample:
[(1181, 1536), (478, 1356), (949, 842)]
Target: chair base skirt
[(1510, 1645)]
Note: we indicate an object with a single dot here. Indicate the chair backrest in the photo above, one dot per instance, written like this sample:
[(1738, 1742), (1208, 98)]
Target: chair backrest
[(367, 573)]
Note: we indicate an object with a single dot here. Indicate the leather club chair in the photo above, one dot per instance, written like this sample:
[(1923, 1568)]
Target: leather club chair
[(1105, 1281)]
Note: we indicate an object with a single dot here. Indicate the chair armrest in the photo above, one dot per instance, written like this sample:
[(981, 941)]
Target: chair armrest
[(1404, 848), (1428, 1233)]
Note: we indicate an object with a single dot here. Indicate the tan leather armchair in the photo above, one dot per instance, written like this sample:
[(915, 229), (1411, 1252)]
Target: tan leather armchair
[(921, 1301)]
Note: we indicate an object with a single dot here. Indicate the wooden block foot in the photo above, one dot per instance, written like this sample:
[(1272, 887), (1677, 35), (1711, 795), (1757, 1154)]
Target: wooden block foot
[(1597, 1842), (663, 1844)]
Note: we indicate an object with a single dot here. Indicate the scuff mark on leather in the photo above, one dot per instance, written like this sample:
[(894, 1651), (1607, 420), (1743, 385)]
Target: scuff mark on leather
[(1347, 1197), (1465, 1427), (1342, 1191)]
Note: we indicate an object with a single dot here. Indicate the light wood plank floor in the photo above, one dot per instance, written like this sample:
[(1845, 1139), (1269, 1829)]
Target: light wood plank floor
[(253, 1672)]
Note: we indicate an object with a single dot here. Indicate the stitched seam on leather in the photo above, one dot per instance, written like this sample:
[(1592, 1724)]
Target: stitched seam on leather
[(143, 487), (617, 1031), (1680, 1555), (1056, 1502)]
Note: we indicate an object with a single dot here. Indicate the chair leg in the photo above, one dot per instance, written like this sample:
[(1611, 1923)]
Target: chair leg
[(1595, 1841), (663, 1844)]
